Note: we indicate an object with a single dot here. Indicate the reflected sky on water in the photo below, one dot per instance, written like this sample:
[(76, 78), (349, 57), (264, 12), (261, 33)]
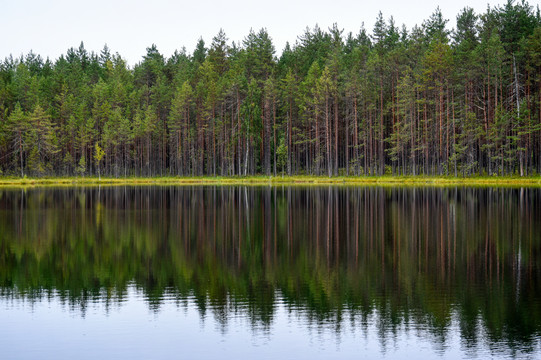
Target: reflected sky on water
[(275, 271)]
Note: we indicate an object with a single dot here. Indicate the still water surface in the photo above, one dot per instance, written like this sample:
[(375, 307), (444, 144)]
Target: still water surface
[(289, 272)]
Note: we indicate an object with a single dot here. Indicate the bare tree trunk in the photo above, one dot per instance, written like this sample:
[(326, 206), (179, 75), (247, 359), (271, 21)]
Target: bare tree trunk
[(274, 131), (289, 123), (356, 136), (516, 88), (336, 135), (328, 135), (266, 136), (381, 155), (317, 152)]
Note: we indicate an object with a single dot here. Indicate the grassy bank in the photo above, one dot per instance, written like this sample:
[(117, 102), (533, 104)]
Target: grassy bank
[(279, 180)]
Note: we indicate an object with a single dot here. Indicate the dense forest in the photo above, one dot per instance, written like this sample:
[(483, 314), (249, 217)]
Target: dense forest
[(428, 100)]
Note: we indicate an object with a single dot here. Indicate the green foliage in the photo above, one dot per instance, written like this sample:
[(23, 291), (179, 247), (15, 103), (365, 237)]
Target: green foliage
[(81, 168), (42, 140), (281, 153), (98, 153), (426, 101)]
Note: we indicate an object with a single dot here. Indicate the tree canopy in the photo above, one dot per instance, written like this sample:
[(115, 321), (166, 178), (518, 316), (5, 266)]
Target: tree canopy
[(429, 100)]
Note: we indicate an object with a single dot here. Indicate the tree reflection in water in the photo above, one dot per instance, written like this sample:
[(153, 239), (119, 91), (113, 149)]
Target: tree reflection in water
[(404, 257)]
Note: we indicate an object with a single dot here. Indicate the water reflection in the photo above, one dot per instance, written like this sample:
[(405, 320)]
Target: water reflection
[(426, 260)]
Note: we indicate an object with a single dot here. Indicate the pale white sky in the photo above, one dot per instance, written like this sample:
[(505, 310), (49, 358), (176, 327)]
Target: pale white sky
[(49, 28)]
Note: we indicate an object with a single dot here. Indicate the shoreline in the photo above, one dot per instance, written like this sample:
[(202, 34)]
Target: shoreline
[(533, 181)]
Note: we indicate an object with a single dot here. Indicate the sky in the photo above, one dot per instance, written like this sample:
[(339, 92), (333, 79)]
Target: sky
[(50, 28)]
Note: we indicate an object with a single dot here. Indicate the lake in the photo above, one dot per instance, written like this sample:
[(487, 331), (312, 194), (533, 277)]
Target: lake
[(208, 272)]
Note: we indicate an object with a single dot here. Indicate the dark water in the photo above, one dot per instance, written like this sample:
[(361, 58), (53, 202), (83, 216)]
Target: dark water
[(239, 272)]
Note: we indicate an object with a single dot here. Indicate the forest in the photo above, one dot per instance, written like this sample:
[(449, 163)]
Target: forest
[(422, 101)]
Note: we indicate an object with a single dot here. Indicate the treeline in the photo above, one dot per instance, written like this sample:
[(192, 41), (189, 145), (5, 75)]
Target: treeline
[(423, 101)]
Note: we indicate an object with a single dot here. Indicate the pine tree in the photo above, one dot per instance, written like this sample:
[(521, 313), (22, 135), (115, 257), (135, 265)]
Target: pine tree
[(42, 142), (18, 128)]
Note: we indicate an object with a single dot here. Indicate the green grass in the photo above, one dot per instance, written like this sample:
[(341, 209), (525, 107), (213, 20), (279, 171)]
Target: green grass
[(278, 180)]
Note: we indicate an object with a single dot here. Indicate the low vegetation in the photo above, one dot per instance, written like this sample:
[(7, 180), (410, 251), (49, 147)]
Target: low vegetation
[(429, 100), (276, 180)]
